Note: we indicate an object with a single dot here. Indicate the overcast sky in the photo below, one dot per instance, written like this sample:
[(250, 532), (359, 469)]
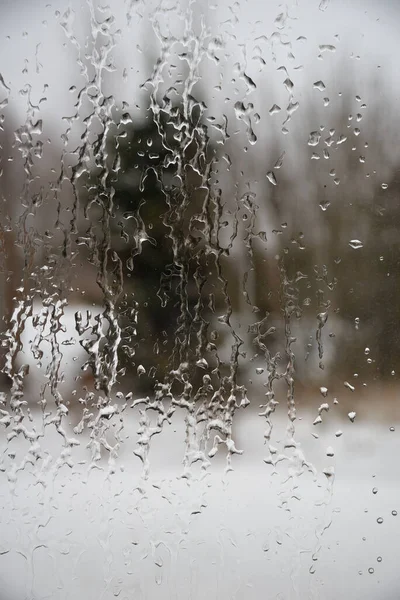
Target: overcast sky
[(36, 39)]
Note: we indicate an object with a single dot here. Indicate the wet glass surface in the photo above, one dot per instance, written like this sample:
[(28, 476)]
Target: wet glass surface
[(199, 307)]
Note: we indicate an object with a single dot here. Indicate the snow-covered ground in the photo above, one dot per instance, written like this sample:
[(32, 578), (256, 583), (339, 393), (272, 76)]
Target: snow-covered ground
[(250, 534)]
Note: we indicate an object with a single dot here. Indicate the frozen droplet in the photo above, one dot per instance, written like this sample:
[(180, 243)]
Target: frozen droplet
[(367, 351), (352, 416), (375, 490), (355, 244), (259, 370), (141, 370), (271, 177), (384, 186), (339, 433), (324, 391), (330, 452)]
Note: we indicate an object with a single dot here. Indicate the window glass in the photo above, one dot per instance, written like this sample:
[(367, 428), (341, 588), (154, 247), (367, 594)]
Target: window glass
[(199, 299)]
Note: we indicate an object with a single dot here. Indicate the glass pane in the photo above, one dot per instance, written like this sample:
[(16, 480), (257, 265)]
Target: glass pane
[(199, 307)]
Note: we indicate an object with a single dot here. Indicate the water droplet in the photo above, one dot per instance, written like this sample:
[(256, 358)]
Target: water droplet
[(274, 109), (394, 513), (371, 571), (325, 204), (319, 85), (314, 138), (349, 386), (327, 48), (379, 520), (355, 244), (379, 559), (202, 363), (288, 83), (374, 490)]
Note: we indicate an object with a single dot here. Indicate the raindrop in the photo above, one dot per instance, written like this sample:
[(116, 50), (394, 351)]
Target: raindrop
[(314, 138), (319, 85), (202, 363), (274, 109), (327, 48), (355, 244), (352, 416), (288, 83), (325, 204)]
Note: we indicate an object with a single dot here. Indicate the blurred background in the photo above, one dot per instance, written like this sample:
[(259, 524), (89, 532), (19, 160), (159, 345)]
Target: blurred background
[(199, 239)]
